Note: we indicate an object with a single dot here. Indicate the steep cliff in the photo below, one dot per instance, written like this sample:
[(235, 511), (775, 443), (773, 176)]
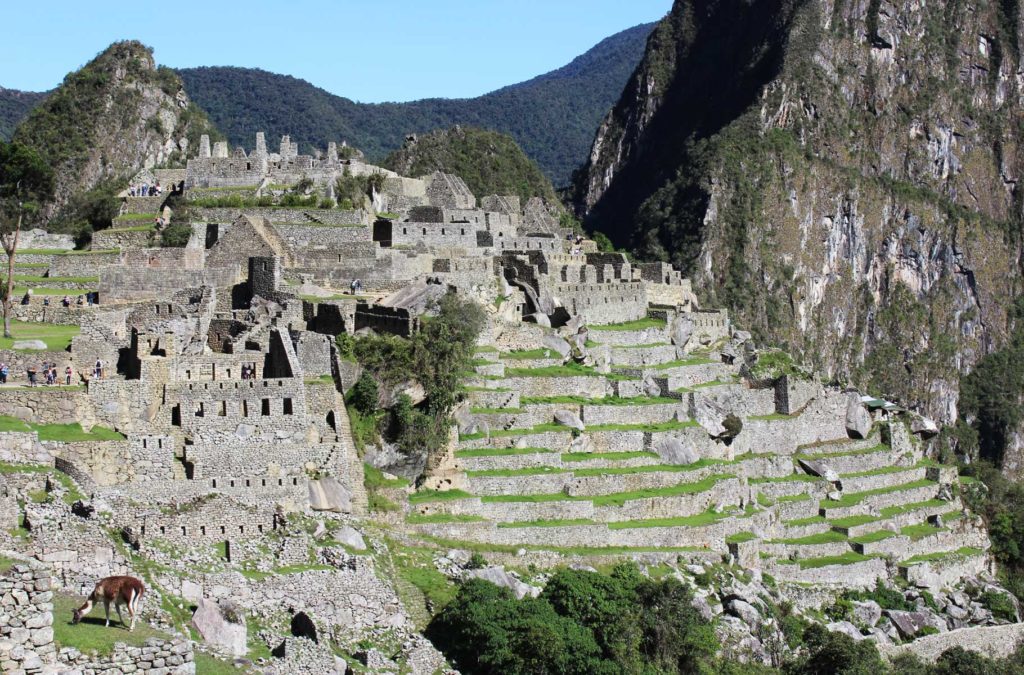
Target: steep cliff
[(115, 115), (843, 174)]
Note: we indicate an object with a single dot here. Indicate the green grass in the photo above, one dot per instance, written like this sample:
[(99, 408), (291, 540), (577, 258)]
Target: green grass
[(620, 498), (855, 498), (880, 471), (501, 433), (853, 521), (881, 447), (699, 520), (496, 411), (677, 363), (147, 227), (67, 433), (961, 552), (829, 537), (499, 452), (849, 558), (800, 522), (890, 511), (91, 634), (510, 473), (57, 338), (661, 426), (740, 537), (649, 468), (531, 354), (36, 279), (587, 456), (771, 418), (19, 291), (535, 498), (872, 537), (211, 665), (791, 478), (548, 523), (566, 370), (60, 251), (609, 400), (137, 216), (638, 324), (426, 519), (485, 348), (437, 496), (921, 530), (31, 265)]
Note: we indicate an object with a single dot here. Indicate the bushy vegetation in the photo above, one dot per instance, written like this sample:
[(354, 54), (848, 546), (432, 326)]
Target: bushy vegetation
[(553, 117), (583, 622), (437, 358), (489, 162)]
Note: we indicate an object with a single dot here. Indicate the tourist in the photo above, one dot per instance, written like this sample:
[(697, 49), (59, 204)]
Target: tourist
[(46, 301), (66, 301), (145, 189), (352, 286), (98, 370), (27, 298), (67, 375), (159, 190), (3, 373), (80, 301), (32, 376)]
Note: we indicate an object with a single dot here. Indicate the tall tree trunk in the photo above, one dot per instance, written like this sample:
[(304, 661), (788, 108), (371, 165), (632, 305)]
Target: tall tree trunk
[(10, 247)]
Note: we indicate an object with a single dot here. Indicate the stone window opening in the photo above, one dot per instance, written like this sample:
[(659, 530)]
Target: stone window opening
[(247, 484), (265, 408), (245, 408), (200, 410), (295, 481), (287, 406), (223, 409), (259, 528), (144, 443), (241, 529), (202, 530), (442, 230), (161, 529), (222, 530), (424, 230), (214, 482), (183, 532)]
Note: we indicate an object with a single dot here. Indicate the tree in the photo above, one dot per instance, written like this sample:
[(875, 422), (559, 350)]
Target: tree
[(25, 182)]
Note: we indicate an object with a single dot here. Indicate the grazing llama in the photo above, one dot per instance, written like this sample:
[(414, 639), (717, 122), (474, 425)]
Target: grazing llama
[(119, 590)]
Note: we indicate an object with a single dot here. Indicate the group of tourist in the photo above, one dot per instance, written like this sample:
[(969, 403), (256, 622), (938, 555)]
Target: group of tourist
[(32, 374), (248, 372), (145, 190), (577, 243), (356, 286)]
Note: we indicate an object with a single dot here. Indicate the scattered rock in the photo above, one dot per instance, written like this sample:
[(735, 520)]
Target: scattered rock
[(499, 577), (924, 426), (819, 468), (350, 537), (710, 415), (557, 345), (328, 494), (83, 509), (910, 624), (743, 610), (846, 628), (672, 451), (858, 420), (217, 631), (682, 329), (867, 613), (567, 418)]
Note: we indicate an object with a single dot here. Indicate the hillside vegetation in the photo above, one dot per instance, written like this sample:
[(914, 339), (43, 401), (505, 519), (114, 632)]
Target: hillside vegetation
[(116, 114), (14, 107), (489, 162), (552, 117)]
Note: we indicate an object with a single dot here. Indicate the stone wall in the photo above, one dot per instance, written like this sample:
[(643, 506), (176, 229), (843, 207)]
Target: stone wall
[(154, 657), (47, 404), (26, 623), (23, 448), (996, 642)]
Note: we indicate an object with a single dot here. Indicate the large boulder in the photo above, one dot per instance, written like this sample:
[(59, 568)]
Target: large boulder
[(744, 611), (651, 386), (29, 344), (846, 628), (350, 537), (499, 577), (682, 329), (924, 426), (867, 613), (711, 415), (328, 494), (909, 624), (820, 469), (672, 451), (567, 418), (557, 345), (858, 420), (227, 636)]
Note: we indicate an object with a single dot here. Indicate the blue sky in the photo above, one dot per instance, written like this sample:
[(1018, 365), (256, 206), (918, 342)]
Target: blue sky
[(374, 50)]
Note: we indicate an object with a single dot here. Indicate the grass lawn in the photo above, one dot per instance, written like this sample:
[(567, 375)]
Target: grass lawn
[(854, 498), (549, 523), (209, 665), (567, 370), (19, 291), (872, 537), (620, 498), (678, 363), (509, 473), (639, 324), (942, 555), (740, 537), (421, 519), (67, 433), (57, 338), (437, 496), (529, 354), (91, 634), (844, 559), (539, 429), (890, 511), (661, 426), (829, 537), (587, 456), (649, 468), (699, 520), (583, 400), (36, 279), (500, 452)]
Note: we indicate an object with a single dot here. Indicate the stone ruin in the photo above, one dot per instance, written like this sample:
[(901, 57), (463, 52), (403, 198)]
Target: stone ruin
[(609, 414)]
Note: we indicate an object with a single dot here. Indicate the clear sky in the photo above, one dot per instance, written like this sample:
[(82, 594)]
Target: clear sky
[(368, 50)]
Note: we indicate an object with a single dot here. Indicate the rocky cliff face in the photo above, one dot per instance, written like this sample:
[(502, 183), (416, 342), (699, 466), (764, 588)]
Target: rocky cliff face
[(118, 114), (842, 173)]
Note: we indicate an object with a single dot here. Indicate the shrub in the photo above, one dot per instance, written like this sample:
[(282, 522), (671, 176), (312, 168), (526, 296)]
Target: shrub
[(476, 561), (999, 604), (176, 235), (364, 396)]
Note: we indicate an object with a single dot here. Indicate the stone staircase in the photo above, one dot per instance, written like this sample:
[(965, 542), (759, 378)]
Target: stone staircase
[(617, 486)]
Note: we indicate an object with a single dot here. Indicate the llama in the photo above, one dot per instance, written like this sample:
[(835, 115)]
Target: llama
[(119, 590)]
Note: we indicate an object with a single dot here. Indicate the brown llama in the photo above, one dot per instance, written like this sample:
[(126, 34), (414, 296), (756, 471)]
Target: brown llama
[(119, 590)]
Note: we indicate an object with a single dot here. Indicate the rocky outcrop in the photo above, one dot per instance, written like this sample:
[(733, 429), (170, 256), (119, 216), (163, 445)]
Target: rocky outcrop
[(842, 175), (118, 114), (217, 630)]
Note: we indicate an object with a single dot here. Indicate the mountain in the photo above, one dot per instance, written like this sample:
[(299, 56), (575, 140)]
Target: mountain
[(117, 114), (14, 107), (844, 175), (552, 117), (489, 162)]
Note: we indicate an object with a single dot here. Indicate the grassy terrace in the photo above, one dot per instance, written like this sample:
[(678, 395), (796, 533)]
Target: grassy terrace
[(615, 456), (420, 519), (962, 552), (36, 279), (552, 427), (45, 290), (699, 520), (59, 251), (639, 324), (57, 338), (844, 559), (855, 498), (791, 478), (774, 417), (881, 447), (610, 400), (530, 354), (67, 433), (499, 452), (829, 537), (678, 363), (565, 550)]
